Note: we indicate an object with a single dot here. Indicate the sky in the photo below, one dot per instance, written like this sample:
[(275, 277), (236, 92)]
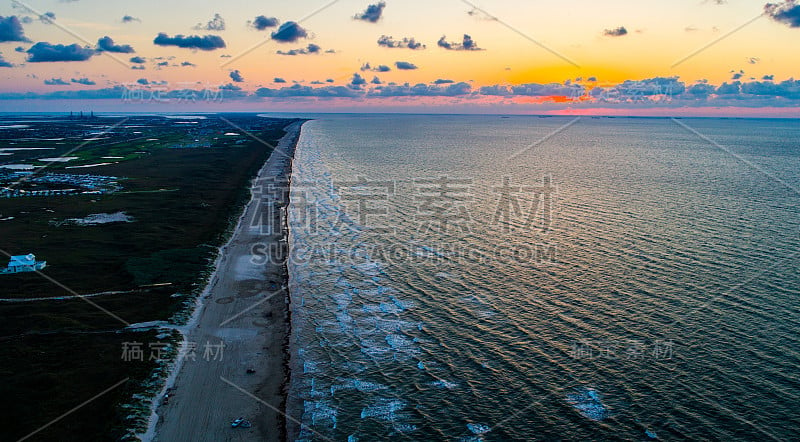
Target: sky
[(677, 57)]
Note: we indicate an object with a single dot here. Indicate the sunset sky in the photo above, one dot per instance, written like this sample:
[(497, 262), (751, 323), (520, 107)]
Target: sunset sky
[(659, 57)]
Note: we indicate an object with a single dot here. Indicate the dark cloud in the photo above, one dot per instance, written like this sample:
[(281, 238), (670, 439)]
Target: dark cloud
[(789, 89), (84, 81), (130, 19), (11, 29), (701, 90), (20, 49), (278, 80), (215, 24), (373, 12), (616, 32), (46, 52), (107, 44), (289, 32), (138, 60), (357, 81), (641, 90), (787, 12), (4, 63), (138, 67), (729, 88), (389, 42), (381, 68), (467, 44), (310, 49), (230, 87), (551, 89), (56, 82), (262, 22), (443, 81), (496, 90), (405, 66), (376, 80), (48, 18), (188, 63), (421, 90), (204, 43), (593, 79), (236, 76), (768, 77), (298, 90)]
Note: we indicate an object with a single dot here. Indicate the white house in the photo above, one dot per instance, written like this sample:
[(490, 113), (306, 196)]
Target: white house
[(24, 263)]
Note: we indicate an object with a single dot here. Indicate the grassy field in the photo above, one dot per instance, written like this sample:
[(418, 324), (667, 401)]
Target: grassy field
[(182, 201)]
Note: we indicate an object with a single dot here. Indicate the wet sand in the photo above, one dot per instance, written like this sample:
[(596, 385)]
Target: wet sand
[(242, 324)]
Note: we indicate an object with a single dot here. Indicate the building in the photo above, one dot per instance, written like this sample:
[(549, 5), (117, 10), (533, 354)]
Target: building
[(23, 263)]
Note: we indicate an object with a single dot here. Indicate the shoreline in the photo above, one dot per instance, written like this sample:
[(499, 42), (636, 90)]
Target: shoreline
[(243, 316)]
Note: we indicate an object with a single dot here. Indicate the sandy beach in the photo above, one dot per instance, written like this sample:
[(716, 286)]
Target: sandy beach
[(234, 359)]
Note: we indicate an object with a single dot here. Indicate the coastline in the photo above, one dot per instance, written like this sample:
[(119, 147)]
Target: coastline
[(240, 322)]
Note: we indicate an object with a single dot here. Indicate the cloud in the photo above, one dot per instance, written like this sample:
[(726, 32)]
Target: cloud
[(130, 19), (262, 22), (616, 32), (204, 43), (376, 80), (143, 81), (373, 12), (48, 18), (357, 81), (768, 77), (787, 12), (188, 63), (138, 67), (289, 32), (640, 90), (56, 82), (4, 63), (278, 80), (84, 81), (467, 44), (298, 90), (46, 52), (535, 90), (11, 29), (236, 76), (421, 90), (138, 60), (230, 87), (496, 90), (701, 90), (389, 42), (443, 81), (405, 66), (380, 68), (107, 44), (310, 49), (215, 24)]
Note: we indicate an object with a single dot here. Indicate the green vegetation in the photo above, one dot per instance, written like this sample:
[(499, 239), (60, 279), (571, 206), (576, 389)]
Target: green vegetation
[(183, 202)]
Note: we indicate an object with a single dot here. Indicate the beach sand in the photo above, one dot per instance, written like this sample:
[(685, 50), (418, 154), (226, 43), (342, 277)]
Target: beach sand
[(244, 308)]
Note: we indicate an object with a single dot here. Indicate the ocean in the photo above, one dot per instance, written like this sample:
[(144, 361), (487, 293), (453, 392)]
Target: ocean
[(473, 278)]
